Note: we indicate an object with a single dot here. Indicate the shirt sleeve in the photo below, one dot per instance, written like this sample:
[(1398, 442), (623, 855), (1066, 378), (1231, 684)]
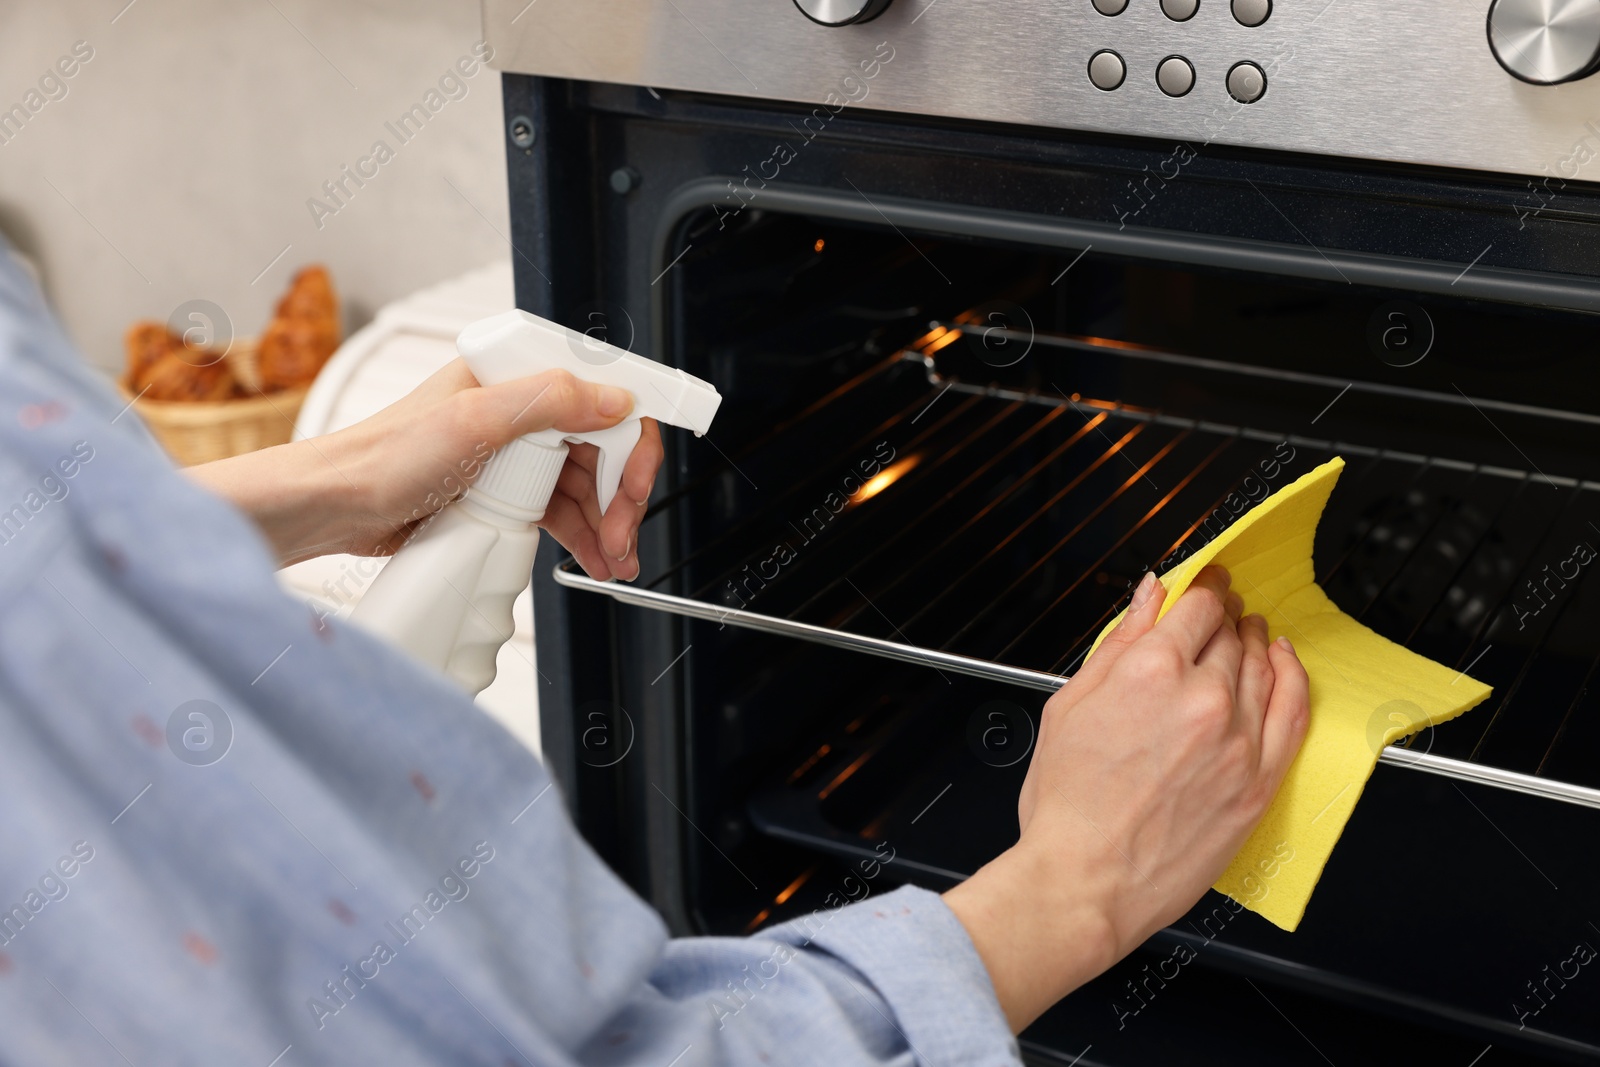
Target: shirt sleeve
[(239, 832), (890, 979)]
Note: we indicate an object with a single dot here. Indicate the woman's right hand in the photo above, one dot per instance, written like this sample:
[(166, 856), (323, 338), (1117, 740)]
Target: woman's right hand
[(1153, 764)]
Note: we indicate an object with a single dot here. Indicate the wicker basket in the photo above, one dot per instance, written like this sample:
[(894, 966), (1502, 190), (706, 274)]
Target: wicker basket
[(199, 431)]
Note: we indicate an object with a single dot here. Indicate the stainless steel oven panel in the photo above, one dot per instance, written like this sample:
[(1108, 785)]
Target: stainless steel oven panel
[(1371, 79)]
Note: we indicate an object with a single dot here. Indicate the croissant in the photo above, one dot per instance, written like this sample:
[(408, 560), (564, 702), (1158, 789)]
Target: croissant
[(303, 333), (172, 377), (162, 367), (145, 342)]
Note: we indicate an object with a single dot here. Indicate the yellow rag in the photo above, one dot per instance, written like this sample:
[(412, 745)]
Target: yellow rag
[(1366, 691)]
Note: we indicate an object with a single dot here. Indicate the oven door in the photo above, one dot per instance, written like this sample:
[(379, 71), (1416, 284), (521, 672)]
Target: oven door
[(961, 418)]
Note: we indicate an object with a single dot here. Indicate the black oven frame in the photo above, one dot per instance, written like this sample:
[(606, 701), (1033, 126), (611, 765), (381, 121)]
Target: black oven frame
[(599, 197)]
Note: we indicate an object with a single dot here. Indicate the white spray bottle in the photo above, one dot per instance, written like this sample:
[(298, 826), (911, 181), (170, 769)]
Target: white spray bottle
[(446, 595)]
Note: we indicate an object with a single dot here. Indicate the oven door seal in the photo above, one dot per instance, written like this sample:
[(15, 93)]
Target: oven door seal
[(1528, 288)]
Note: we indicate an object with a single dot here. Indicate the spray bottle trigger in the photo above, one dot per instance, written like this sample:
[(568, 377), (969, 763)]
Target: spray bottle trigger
[(615, 445)]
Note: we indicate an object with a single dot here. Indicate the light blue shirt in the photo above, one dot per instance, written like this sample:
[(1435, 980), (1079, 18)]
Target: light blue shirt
[(235, 833)]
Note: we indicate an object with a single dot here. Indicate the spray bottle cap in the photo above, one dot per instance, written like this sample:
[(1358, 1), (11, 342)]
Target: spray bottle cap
[(516, 344)]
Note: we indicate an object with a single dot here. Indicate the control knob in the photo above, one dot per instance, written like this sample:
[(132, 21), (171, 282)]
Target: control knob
[(841, 12), (1546, 41)]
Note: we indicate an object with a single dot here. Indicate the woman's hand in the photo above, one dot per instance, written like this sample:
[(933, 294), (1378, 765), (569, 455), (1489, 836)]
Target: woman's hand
[(1153, 765), (364, 489)]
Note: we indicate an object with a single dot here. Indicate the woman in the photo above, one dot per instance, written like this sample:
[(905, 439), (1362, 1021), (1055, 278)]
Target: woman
[(235, 830)]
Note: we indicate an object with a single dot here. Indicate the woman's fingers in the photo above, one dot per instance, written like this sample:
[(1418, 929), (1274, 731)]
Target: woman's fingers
[(618, 528), (639, 475), (579, 485), (1198, 613), (1224, 652), (557, 399), (619, 536), (1143, 608), (564, 520), (1288, 711), (553, 399), (615, 533), (1256, 675)]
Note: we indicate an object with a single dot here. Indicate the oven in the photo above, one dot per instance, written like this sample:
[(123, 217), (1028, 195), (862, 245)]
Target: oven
[(1010, 304)]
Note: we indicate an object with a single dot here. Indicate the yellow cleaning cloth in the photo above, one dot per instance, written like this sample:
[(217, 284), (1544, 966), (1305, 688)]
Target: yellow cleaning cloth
[(1366, 691)]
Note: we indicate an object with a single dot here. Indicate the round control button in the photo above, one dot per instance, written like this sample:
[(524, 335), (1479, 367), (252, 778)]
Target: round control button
[(1246, 82), (841, 12), (1251, 12), (1175, 76), (1107, 70), (1110, 7), (1546, 41), (1180, 10)]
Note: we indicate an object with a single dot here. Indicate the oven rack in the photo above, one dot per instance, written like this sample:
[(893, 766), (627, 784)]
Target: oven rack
[(1396, 754), (1403, 522)]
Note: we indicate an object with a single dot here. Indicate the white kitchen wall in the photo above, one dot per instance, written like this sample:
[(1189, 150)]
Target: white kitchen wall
[(176, 163)]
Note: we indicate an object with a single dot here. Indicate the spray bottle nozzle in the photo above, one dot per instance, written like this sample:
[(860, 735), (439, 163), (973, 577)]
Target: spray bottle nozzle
[(516, 344)]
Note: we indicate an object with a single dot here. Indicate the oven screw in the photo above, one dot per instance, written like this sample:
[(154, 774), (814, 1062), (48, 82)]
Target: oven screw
[(522, 134), (624, 180)]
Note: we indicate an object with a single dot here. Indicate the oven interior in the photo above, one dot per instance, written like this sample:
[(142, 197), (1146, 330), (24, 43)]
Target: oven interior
[(934, 443)]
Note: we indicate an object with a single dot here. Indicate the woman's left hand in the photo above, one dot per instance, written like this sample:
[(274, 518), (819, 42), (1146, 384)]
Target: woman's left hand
[(364, 489)]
